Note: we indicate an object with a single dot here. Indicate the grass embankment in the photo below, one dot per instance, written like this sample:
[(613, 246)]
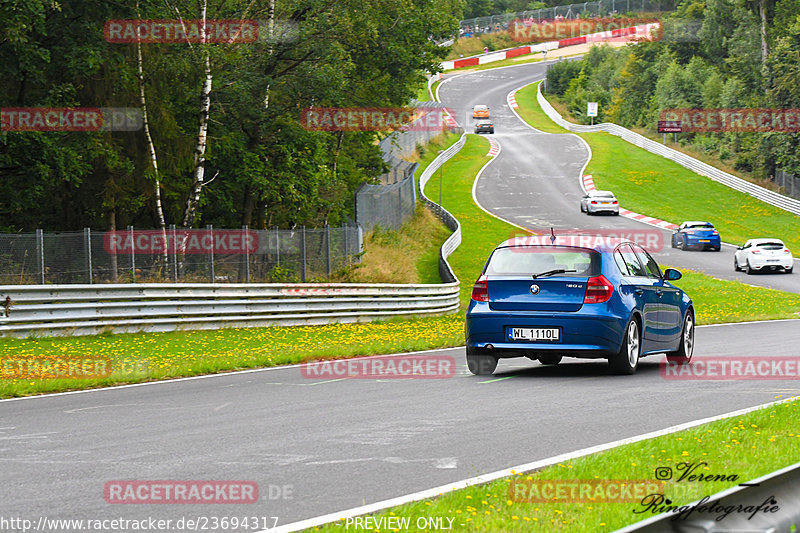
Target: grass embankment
[(740, 449), (650, 184), (470, 46), (408, 255)]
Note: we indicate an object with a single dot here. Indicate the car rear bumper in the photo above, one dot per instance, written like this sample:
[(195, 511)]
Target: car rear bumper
[(704, 242), (762, 264), (581, 334), (603, 209)]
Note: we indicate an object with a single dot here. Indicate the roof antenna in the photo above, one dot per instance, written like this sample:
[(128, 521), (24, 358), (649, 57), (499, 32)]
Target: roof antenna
[(552, 235)]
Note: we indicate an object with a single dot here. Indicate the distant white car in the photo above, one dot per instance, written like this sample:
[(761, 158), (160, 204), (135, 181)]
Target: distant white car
[(760, 255), (599, 202)]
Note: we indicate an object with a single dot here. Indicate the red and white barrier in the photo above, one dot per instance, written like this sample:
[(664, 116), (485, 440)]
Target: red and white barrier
[(641, 31)]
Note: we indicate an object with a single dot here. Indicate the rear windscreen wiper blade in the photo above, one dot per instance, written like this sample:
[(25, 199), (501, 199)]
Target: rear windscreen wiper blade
[(551, 272)]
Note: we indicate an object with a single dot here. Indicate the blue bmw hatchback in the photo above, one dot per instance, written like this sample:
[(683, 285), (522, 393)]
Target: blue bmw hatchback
[(576, 296)]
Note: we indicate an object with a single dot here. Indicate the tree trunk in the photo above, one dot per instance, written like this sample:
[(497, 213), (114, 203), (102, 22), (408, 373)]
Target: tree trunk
[(202, 136)]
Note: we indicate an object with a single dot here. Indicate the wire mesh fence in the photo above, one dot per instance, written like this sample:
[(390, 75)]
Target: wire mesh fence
[(789, 183), (177, 255), (387, 206), (601, 8), (394, 200)]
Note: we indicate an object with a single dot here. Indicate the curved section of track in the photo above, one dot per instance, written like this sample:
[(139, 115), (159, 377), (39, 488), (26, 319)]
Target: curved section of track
[(535, 181)]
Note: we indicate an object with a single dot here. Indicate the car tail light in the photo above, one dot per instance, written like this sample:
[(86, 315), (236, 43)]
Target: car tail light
[(615, 202), (690, 231), (593, 202), (715, 232), (786, 251), (756, 251), (480, 291), (598, 290)]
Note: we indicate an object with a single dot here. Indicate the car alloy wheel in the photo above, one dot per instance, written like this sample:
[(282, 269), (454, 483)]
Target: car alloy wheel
[(686, 348), (748, 268), (736, 264), (682, 245), (627, 360)]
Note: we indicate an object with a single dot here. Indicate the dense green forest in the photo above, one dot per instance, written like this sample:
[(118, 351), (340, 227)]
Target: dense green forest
[(223, 142), (713, 54)]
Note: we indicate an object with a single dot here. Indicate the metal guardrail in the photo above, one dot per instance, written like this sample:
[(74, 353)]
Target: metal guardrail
[(765, 195), (61, 310), (452, 242)]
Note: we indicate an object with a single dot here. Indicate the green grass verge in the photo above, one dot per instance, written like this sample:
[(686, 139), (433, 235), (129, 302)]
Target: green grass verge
[(746, 447), (650, 184), (152, 356)]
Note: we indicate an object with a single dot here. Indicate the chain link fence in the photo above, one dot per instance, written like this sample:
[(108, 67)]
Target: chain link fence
[(394, 200), (86, 257), (601, 8), (789, 183)]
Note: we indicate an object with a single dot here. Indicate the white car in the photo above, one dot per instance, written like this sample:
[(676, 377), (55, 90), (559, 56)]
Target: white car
[(599, 202), (760, 255)]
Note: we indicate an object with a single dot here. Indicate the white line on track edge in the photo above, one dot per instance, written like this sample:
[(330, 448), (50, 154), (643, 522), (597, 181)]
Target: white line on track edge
[(492, 476)]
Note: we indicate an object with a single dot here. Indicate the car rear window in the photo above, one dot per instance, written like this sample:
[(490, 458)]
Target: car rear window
[(603, 195), (700, 226), (529, 260), (770, 246)]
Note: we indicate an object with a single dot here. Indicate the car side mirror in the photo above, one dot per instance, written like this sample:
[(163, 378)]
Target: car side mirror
[(671, 274), (739, 248)]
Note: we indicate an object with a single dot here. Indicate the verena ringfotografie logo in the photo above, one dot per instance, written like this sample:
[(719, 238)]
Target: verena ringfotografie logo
[(70, 119), (374, 119), (581, 490), (652, 240), (187, 241), (54, 367), (172, 492), (198, 31), (533, 30), (403, 367), (733, 368), (736, 120)]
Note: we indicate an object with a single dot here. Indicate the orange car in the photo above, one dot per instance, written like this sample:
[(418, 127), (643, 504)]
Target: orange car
[(480, 111)]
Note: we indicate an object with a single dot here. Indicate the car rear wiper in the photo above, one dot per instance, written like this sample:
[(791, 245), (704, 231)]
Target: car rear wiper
[(551, 272)]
